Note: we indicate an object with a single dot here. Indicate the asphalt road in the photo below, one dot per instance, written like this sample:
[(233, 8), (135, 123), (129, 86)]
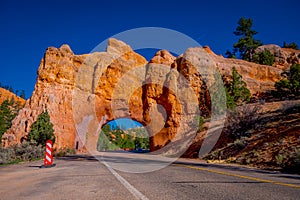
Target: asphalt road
[(84, 177)]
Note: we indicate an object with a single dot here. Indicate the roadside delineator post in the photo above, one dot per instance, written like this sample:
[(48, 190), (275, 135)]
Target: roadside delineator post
[(48, 158)]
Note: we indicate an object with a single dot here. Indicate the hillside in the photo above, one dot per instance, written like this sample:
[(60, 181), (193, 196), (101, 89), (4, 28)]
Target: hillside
[(272, 143), (7, 95)]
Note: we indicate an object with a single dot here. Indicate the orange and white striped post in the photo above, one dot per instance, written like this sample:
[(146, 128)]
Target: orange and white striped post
[(48, 158)]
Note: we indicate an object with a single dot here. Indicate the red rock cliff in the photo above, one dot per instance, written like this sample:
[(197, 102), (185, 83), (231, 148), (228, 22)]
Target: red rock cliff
[(79, 91)]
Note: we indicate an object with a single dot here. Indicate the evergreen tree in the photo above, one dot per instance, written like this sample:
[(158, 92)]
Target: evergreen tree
[(118, 138), (129, 144), (22, 95), (103, 142), (229, 99), (292, 45), (236, 91), (246, 43), (10, 89), (230, 54), (265, 58), (8, 112), (291, 84), (217, 94), (42, 130)]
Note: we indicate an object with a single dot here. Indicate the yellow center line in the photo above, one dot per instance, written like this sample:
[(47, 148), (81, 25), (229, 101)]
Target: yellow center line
[(239, 176)]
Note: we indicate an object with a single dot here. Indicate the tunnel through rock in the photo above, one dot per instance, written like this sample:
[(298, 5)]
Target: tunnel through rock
[(123, 134)]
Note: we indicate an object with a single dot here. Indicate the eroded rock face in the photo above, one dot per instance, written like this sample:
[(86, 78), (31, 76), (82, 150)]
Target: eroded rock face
[(284, 57), (53, 91), (83, 92), (77, 90), (7, 95), (161, 108)]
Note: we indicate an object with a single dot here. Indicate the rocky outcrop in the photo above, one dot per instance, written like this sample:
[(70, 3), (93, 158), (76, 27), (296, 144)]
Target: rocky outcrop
[(161, 106), (7, 95), (284, 57), (83, 92), (259, 78), (66, 85), (52, 92)]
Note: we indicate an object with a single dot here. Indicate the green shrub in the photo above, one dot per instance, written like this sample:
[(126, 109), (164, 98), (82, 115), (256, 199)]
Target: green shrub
[(240, 143), (8, 111), (23, 152), (116, 139), (265, 58), (280, 159), (218, 95), (291, 45), (199, 121), (290, 85), (289, 161), (42, 130), (240, 120), (237, 92)]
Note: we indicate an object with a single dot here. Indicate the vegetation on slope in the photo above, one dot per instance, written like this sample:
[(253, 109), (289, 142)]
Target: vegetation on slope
[(269, 140), (42, 130), (134, 138), (246, 45), (16, 92), (8, 111), (289, 86)]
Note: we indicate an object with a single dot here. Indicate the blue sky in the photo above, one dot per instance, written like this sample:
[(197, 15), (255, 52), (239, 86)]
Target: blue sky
[(29, 27), (124, 123)]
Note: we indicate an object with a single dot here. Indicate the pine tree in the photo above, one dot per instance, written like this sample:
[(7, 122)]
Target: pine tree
[(291, 45), (218, 94), (291, 84), (22, 95), (264, 58), (236, 90), (103, 142), (246, 43), (7, 113), (42, 130)]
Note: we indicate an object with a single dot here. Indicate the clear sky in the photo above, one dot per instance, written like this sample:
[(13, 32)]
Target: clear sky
[(29, 27), (124, 123)]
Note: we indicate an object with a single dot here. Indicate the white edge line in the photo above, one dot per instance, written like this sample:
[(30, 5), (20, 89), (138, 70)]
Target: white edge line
[(137, 194)]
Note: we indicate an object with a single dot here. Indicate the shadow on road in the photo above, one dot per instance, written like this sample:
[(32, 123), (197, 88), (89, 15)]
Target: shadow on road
[(291, 176), (213, 182), (119, 159), (35, 166), (228, 167), (77, 158)]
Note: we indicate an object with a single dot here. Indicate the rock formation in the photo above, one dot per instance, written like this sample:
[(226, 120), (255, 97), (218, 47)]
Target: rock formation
[(53, 91), (83, 92), (284, 57), (7, 95)]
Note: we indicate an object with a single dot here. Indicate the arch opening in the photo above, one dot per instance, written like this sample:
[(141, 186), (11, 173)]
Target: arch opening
[(123, 134)]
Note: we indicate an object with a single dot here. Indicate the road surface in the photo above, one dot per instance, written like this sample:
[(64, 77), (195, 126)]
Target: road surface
[(84, 177)]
